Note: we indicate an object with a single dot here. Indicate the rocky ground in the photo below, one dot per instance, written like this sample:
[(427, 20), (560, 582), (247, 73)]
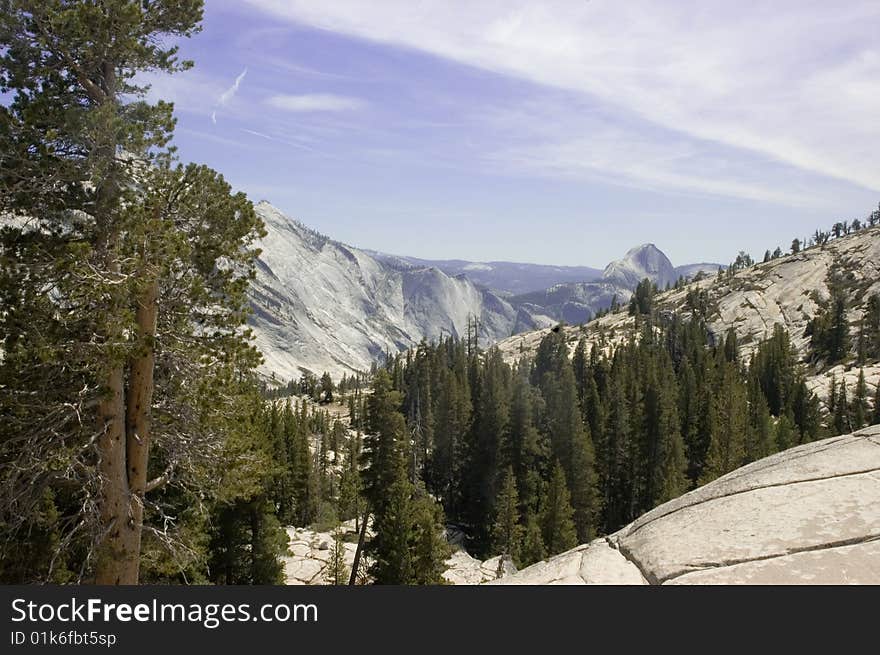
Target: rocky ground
[(809, 515), (310, 552)]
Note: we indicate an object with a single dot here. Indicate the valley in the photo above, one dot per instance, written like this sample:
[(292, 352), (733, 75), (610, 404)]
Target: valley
[(320, 305)]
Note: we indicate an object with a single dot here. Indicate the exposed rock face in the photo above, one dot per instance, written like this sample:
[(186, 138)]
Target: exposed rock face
[(465, 570), (646, 261), (809, 515), (320, 305)]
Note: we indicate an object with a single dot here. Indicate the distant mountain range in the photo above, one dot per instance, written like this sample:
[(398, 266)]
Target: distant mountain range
[(507, 278), (321, 305)]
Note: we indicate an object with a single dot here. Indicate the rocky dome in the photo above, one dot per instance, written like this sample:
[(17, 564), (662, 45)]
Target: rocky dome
[(809, 515), (645, 261)]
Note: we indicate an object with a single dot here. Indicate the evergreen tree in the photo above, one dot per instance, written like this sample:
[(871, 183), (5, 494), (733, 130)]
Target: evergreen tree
[(533, 549), (394, 529), (350, 505), (326, 391), (729, 424), (760, 438), (490, 428), (668, 479), (132, 247), (875, 420), (430, 550), (571, 444), (642, 301), (557, 523), (337, 572), (870, 334), (840, 417), (507, 532), (859, 411), (382, 450), (785, 433), (829, 330)]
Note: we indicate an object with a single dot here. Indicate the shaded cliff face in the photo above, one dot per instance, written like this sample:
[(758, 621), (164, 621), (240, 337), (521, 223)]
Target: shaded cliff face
[(786, 291), (809, 515), (319, 305)]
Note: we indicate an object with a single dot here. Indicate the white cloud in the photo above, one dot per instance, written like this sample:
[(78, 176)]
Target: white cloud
[(228, 95), (792, 82), (314, 102), (562, 139)]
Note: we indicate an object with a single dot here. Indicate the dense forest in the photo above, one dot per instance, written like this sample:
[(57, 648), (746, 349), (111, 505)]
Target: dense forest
[(536, 457)]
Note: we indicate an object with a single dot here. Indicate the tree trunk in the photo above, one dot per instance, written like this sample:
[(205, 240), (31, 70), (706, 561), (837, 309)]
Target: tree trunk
[(112, 565), (138, 435), (115, 562), (357, 553)]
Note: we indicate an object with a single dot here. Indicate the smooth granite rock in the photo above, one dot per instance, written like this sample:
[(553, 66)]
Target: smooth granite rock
[(809, 515)]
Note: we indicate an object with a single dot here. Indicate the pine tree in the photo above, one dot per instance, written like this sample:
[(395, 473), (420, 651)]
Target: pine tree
[(430, 550), (729, 421), (533, 549), (394, 530), (806, 413), (337, 572), (383, 442), (668, 477), (249, 473), (119, 228), (875, 420), (326, 390), (829, 330), (760, 439), (557, 522), (350, 506), (785, 433), (525, 448), (859, 411), (572, 445), (871, 329), (839, 409), (507, 532), (490, 428)]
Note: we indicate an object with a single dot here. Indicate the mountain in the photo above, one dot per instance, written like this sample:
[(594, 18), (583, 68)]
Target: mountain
[(808, 515), (510, 278), (579, 302), (787, 291), (572, 303), (320, 305), (646, 261)]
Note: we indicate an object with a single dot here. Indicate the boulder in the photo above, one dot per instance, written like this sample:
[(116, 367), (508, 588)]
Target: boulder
[(809, 515)]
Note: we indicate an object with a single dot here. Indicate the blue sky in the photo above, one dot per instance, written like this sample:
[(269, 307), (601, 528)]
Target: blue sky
[(558, 132)]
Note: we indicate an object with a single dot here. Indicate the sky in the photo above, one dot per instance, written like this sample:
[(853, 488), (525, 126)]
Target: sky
[(559, 132)]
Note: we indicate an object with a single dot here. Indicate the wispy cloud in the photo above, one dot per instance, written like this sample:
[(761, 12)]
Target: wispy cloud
[(791, 83), (315, 102), (228, 95), (282, 141)]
